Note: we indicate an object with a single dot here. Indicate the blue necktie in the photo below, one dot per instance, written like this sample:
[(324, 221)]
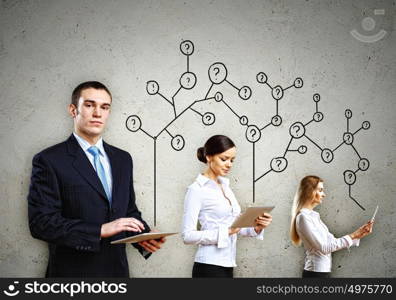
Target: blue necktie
[(100, 170)]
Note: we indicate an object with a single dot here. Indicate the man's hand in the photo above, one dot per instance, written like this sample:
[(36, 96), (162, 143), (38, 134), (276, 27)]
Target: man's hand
[(120, 225), (152, 245)]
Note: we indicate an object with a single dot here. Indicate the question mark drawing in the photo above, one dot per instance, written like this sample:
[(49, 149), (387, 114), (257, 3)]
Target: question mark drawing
[(348, 138), (188, 80), (253, 133), (297, 129), (245, 92), (366, 125), (363, 164), (276, 120), (349, 177), (187, 48), (133, 123), (277, 92), (208, 118), (327, 155), (177, 142), (278, 163), (216, 71), (298, 83), (261, 77)]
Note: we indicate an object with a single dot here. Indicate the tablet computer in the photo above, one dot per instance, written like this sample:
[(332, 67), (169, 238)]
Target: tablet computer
[(143, 237), (375, 213), (247, 219)]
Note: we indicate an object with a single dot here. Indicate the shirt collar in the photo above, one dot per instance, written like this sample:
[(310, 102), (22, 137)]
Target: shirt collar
[(85, 145), (202, 180)]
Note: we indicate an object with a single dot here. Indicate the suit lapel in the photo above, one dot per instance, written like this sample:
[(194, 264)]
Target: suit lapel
[(83, 166)]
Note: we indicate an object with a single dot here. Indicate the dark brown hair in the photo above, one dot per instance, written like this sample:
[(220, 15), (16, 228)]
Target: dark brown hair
[(214, 145), (86, 85)]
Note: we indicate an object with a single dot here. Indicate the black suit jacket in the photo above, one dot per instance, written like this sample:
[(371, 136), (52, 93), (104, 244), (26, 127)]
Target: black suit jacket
[(68, 205)]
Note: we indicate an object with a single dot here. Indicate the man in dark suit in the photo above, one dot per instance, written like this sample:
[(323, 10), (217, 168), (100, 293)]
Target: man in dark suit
[(81, 195)]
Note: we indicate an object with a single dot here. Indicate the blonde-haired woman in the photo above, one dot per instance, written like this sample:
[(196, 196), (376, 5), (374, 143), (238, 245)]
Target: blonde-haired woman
[(306, 226)]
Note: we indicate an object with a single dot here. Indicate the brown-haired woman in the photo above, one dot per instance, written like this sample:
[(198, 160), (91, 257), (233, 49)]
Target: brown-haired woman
[(211, 202), (306, 226)]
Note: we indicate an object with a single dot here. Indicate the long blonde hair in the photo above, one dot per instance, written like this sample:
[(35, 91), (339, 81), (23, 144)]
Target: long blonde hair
[(304, 194)]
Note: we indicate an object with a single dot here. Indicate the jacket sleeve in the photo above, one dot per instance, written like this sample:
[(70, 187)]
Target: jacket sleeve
[(45, 213), (133, 212), (326, 245), (192, 206)]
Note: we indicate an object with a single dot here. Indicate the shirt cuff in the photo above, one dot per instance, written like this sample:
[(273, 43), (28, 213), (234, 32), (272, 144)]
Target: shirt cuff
[(349, 240), (252, 233), (259, 236), (356, 242), (223, 237)]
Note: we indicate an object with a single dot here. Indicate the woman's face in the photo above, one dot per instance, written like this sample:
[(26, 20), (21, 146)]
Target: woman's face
[(318, 194), (221, 163)]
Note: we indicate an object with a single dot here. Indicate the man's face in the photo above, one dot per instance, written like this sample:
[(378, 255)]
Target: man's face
[(92, 112)]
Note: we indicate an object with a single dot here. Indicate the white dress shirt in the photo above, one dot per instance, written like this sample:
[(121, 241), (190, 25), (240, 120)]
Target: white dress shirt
[(206, 203), (318, 242), (104, 159)]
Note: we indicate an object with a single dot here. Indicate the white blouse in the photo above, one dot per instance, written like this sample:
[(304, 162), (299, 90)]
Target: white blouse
[(318, 242), (205, 202)]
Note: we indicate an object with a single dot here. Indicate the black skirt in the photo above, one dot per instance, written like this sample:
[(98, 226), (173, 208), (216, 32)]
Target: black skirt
[(201, 270), (312, 274)]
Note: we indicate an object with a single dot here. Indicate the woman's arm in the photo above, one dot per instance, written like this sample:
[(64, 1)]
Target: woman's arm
[(190, 234), (325, 244)]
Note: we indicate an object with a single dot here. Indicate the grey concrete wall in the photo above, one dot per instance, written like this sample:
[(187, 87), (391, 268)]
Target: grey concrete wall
[(48, 47)]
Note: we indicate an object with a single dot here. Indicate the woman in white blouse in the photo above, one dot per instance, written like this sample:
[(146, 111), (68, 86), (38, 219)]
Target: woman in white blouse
[(306, 226), (210, 201)]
